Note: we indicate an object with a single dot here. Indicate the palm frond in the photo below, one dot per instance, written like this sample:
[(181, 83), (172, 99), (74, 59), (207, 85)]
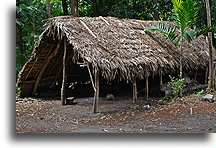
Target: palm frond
[(190, 35), (205, 30), (166, 30), (185, 13)]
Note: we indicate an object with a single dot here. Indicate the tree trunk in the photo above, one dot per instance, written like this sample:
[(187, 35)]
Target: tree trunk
[(33, 31), (101, 7), (181, 63), (65, 7), (155, 12), (211, 52), (74, 8), (48, 8), (95, 8), (19, 41)]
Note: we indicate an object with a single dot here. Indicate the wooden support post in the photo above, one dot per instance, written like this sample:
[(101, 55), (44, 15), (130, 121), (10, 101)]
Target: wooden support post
[(195, 76), (64, 77), (90, 75), (96, 92), (161, 80), (146, 87), (206, 75), (59, 71), (134, 85)]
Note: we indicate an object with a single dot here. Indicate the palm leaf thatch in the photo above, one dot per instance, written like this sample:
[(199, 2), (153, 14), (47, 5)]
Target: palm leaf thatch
[(117, 48)]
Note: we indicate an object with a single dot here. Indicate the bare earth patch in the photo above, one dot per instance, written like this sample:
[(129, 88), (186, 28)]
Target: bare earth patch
[(182, 115)]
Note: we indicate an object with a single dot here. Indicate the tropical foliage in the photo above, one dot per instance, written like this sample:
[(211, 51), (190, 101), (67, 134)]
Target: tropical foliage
[(176, 84), (184, 15)]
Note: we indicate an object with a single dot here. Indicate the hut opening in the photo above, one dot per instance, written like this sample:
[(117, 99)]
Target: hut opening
[(82, 55)]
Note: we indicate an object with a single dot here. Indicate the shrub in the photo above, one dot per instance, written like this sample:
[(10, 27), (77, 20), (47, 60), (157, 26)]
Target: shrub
[(176, 84)]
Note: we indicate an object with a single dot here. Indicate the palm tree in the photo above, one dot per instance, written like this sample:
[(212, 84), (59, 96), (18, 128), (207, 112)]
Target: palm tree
[(185, 13)]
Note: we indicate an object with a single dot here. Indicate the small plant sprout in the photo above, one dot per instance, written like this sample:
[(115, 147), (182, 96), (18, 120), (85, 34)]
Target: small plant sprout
[(201, 93)]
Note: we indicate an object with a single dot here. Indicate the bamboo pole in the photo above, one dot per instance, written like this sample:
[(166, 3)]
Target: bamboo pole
[(146, 87), (103, 19), (96, 92), (64, 77), (134, 84), (89, 30)]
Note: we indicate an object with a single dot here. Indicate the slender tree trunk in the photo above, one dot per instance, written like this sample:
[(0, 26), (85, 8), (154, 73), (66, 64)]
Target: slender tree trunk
[(101, 7), (48, 8), (19, 41), (181, 63), (134, 7), (213, 37), (211, 52), (95, 8), (181, 57), (155, 13), (74, 8), (33, 31), (65, 7)]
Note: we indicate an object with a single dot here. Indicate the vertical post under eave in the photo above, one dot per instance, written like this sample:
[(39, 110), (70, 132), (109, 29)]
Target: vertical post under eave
[(146, 87), (206, 75), (63, 97), (214, 74), (161, 80), (96, 92), (134, 90)]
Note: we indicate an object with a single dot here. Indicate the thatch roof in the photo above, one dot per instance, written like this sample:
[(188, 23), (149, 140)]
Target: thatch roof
[(116, 47)]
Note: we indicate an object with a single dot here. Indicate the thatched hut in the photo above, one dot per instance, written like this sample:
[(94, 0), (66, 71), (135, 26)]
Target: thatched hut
[(106, 47)]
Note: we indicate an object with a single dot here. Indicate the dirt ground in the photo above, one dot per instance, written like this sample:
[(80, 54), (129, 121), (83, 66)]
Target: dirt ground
[(182, 115)]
